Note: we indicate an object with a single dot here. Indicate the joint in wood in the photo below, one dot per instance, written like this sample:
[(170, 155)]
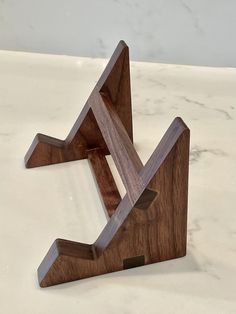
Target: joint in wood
[(132, 262), (146, 199)]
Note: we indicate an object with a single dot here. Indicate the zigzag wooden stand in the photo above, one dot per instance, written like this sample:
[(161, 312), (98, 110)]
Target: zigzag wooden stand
[(149, 224)]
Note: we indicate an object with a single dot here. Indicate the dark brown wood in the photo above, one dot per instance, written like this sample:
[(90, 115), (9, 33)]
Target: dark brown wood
[(85, 134), (105, 181), (150, 223), (119, 145)]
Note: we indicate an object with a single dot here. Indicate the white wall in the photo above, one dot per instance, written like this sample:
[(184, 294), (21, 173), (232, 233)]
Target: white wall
[(198, 32)]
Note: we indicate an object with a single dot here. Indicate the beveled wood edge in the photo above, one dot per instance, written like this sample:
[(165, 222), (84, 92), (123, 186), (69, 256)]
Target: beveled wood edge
[(168, 141), (120, 48), (62, 247), (44, 139)]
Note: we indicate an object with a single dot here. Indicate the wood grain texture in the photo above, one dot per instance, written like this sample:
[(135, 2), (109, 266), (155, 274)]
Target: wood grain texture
[(149, 224), (119, 145), (105, 181), (85, 134)]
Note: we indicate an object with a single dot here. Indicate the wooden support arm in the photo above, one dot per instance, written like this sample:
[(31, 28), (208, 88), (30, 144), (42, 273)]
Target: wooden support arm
[(119, 145), (106, 183)]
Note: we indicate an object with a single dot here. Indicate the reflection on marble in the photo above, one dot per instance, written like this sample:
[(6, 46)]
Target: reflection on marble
[(40, 93)]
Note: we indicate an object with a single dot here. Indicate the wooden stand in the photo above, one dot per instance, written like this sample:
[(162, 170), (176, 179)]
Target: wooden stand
[(149, 224)]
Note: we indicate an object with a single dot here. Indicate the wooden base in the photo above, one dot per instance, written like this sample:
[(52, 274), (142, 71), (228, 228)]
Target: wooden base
[(150, 223)]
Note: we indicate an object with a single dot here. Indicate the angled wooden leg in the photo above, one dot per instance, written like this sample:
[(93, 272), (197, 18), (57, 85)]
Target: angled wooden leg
[(134, 236), (85, 134), (150, 223)]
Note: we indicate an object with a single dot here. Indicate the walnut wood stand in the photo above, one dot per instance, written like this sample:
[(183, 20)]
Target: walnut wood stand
[(149, 224)]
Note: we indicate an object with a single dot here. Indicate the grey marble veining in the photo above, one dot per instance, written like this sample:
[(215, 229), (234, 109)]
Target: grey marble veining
[(171, 31)]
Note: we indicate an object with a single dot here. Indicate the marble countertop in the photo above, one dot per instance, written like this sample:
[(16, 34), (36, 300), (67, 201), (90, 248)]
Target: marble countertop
[(45, 93)]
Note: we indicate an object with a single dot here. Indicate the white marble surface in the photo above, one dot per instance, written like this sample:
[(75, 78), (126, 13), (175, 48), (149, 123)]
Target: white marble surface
[(40, 93), (196, 32)]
